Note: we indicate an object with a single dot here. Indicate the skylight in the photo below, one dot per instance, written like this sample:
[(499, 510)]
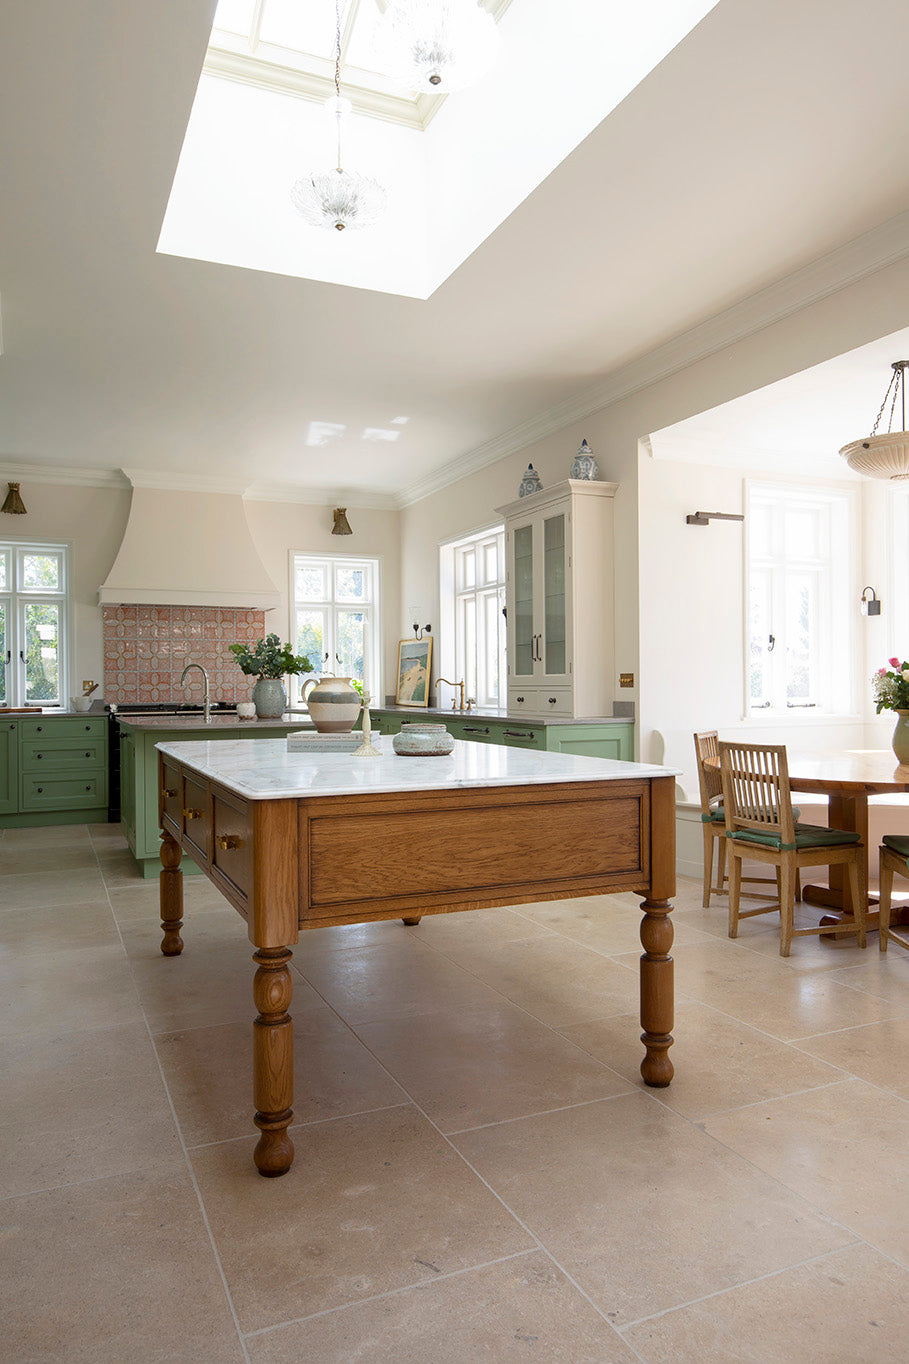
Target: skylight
[(454, 167)]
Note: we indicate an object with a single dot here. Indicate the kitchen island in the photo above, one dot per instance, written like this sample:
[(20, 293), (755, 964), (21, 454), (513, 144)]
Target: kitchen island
[(297, 841)]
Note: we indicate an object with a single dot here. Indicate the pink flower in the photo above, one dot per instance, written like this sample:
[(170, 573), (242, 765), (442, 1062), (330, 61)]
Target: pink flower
[(882, 672), (894, 662)]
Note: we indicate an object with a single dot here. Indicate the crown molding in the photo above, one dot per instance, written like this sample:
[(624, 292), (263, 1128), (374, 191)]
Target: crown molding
[(856, 260), (52, 473), (322, 497), (169, 481)]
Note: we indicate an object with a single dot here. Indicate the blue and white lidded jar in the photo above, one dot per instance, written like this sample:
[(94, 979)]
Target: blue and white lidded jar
[(530, 483), (585, 466)]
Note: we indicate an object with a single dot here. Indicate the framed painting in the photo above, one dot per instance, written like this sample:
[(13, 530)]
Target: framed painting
[(413, 672)]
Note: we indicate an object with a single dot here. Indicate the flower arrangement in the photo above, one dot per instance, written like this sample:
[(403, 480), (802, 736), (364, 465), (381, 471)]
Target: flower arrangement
[(891, 686), (270, 658)]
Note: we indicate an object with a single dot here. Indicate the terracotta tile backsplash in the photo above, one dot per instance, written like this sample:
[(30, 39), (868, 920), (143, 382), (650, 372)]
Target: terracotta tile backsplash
[(146, 649)]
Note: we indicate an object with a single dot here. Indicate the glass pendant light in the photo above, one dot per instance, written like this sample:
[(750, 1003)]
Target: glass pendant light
[(338, 198), (435, 46)]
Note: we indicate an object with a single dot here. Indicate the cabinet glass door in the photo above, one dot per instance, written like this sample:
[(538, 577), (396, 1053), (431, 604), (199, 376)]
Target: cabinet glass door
[(522, 625), (555, 645)]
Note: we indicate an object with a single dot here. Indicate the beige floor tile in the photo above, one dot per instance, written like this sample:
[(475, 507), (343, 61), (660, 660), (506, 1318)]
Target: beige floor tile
[(56, 928), (842, 1148), (398, 979), (763, 992), (466, 1070), (644, 1211), (34, 859), (44, 995), (209, 1075), (884, 974), (139, 902), (373, 1203), (113, 1270), (345, 937), (449, 932), (46, 836), (719, 1063), (878, 1053), (82, 1106), (35, 889), (851, 1307), (209, 983), (509, 1312), (558, 981), (606, 923)]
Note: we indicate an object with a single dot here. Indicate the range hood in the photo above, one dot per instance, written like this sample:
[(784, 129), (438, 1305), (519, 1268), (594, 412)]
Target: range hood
[(186, 547)]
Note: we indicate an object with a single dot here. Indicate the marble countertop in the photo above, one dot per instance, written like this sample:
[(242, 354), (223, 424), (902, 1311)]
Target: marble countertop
[(219, 720), (440, 713), (267, 771)]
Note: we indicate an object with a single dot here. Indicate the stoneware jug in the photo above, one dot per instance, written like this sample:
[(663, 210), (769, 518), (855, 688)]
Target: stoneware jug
[(333, 704)]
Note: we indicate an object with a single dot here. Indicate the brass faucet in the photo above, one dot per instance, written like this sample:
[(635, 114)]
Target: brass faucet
[(454, 704), (206, 704)]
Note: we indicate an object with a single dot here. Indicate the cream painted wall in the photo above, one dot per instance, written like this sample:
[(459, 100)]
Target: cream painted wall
[(279, 527), (92, 520)]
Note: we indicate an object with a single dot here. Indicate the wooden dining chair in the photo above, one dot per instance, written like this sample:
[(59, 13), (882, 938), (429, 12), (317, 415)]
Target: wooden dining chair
[(713, 820), (894, 859), (761, 826)]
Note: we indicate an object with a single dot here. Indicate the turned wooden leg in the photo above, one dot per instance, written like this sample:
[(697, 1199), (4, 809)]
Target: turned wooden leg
[(708, 863), (273, 1061), (414, 919), (171, 896), (656, 992)]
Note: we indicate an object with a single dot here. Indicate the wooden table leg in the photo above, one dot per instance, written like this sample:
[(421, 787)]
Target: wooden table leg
[(656, 992), (273, 1061), (171, 892)]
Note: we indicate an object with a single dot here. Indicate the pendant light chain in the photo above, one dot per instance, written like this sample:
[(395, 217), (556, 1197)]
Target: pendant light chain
[(338, 76), (897, 382)]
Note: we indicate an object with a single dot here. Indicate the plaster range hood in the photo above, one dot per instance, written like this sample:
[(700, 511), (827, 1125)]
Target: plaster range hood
[(187, 547)]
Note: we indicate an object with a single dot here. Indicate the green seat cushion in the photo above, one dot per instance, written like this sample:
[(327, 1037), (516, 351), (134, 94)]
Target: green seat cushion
[(898, 843), (806, 836)]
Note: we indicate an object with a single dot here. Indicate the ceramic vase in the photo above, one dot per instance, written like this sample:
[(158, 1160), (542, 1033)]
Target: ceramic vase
[(417, 740), (530, 483), (333, 704), (585, 466), (901, 738), (269, 698)]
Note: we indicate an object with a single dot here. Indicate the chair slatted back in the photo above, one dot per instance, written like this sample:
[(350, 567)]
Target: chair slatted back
[(710, 779), (756, 790)]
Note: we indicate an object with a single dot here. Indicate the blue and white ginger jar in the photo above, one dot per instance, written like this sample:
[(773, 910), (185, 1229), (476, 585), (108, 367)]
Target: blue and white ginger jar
[(585, 466), (530, 483)]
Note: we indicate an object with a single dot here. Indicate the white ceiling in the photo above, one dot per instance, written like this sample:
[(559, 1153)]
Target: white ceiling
[(756, 147)]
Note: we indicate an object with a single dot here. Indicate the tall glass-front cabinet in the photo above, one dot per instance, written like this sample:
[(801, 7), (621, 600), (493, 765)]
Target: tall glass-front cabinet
[(559, 600)]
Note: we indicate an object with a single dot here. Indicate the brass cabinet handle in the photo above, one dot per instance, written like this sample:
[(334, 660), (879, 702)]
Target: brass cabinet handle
[(227, 841), (192, 814), (169, 793)]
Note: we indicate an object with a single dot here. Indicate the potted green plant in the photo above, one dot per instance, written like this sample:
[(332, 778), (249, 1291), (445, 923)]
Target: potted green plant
[(270, 661)]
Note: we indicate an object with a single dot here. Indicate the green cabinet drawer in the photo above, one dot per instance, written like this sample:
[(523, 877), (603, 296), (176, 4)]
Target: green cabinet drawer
[(516, 734), (63, 727), (62, 791), (86, 755)]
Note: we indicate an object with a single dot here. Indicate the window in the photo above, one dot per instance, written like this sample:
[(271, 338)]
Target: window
[(33, 610), (799, 595), (475, 569), (335, 618)]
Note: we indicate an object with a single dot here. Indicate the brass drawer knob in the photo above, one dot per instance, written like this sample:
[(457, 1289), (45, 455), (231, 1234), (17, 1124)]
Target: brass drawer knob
[(169, 793), (228, 841), (192, 814)]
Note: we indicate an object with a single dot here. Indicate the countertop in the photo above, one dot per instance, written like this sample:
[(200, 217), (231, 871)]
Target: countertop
[(193, 720), (268, 771), (438, 713)]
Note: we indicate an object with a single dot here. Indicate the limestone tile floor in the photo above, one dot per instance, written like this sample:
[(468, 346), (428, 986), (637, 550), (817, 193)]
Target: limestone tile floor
[(480, 1173)]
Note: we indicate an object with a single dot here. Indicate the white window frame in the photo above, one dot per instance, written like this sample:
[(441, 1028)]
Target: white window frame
[(896, 610), (834, 572), (455, 594), (15, 598), (372, 650)]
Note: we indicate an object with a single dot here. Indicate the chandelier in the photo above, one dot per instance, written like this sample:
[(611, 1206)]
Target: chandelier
[(885, 456), (434, 46), (338, 198)]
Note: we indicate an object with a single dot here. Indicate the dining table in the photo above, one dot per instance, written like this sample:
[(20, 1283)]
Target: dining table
[(848, 779)]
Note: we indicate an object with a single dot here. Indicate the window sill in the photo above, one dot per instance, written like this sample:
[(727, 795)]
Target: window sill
[(767, 718)]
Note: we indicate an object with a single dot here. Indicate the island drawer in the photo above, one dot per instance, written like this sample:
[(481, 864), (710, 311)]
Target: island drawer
[(196, 815), (232, 841)]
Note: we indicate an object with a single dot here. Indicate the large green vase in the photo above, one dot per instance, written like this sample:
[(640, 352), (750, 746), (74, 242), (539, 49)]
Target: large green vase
[(901, 738), (269, 698)]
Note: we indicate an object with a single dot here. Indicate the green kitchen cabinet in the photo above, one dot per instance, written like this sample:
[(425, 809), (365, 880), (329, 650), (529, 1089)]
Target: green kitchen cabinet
[(9, 767), (594, 739)]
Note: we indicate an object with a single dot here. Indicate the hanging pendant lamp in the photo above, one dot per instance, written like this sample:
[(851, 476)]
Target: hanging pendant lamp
[(338, 198), (885, 456), (435, 46)]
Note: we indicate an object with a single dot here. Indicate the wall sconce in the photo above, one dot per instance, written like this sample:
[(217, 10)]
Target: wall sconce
[(13, 502), (870, 605), (427, 629), (341, 524), (704, 518)]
